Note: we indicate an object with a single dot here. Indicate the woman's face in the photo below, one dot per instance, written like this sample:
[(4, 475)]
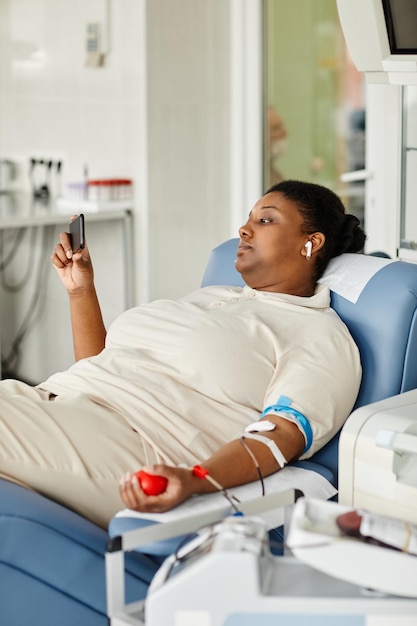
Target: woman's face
[(271, 253)]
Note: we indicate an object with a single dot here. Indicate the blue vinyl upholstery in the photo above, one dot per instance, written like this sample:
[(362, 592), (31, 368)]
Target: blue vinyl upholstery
[(52, 560), (52, 564)]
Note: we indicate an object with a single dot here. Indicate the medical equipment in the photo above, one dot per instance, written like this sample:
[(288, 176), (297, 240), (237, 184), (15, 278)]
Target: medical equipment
[(202, 472), (382, 38), (378, 458), (270, 444), (226, 576)]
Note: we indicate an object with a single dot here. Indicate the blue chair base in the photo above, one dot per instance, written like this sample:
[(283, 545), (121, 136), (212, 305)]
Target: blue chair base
[(52, 564)]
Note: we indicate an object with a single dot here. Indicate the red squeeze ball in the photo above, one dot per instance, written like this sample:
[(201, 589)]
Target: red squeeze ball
[(151, 484)]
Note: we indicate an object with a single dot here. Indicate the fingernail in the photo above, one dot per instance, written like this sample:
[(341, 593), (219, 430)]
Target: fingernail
[(68, 254)]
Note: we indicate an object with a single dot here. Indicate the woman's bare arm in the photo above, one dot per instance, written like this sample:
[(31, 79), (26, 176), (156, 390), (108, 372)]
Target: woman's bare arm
[(88, 330), (76, 273), (230, 466)]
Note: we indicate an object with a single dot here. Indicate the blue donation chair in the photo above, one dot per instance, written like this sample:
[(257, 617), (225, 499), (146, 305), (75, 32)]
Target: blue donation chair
[(52, 560)]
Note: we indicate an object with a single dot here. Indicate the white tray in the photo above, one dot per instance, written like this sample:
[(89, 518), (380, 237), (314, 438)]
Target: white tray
[(64, 205), (315, 539)]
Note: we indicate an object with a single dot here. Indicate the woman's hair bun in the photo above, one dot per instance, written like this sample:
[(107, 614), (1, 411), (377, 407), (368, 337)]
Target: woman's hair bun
[(352, 235)]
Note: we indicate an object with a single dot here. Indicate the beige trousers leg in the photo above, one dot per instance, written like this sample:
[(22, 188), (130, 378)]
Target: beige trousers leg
[(69, 449)]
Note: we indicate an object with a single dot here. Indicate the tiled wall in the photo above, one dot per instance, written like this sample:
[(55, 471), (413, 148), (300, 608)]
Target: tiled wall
[(157, 111), (52, 103)]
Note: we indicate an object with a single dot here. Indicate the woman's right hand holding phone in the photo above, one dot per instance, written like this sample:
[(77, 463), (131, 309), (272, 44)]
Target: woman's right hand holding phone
[(76, 273), (73, 268)]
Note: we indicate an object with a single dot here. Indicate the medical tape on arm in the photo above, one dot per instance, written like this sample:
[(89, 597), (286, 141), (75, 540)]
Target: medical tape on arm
[(284, 409), (279, 457)]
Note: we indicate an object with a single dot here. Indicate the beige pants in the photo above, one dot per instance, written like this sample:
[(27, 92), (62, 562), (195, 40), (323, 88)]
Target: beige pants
[(69, 449)]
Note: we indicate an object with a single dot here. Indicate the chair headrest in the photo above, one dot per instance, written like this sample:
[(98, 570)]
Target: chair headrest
[(348, 274)]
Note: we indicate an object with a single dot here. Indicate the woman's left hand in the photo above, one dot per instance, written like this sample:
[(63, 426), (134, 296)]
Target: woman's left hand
[(179, 487)]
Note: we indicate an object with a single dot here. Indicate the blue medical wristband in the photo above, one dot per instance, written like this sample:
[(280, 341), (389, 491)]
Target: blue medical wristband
[(284, 406)]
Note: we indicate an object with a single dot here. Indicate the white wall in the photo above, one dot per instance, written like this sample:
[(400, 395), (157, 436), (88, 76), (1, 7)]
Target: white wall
[(158, 112), (383, 162), (204, 102), (188, 102)]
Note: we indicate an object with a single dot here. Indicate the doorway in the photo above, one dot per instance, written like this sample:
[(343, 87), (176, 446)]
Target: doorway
[(314, 104)]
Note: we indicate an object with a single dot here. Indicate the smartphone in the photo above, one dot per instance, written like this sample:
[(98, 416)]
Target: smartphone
[(77, 233)]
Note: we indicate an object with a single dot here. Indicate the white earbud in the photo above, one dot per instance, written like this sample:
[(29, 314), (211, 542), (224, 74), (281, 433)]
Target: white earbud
[(308, 246)]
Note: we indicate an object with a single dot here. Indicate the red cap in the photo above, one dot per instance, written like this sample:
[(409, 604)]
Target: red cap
[(199, 471)]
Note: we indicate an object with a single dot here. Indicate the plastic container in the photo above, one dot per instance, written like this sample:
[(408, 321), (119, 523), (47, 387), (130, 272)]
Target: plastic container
[(109, 189)]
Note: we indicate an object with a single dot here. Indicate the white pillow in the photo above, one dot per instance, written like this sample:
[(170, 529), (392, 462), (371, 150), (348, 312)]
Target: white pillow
[(348, 274)]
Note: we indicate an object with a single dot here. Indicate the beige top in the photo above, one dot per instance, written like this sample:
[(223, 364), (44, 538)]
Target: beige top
[(190, 374)]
